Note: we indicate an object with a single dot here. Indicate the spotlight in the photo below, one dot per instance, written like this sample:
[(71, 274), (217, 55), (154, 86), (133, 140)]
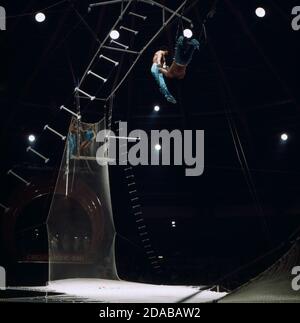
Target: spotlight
[(156, 108), (114, 34), (40, 17), (31, 138), (158, 147), (260, 12), (188, 33), (284, 137)]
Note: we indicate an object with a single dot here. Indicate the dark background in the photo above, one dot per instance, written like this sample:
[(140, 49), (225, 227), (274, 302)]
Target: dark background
[(242, 89)]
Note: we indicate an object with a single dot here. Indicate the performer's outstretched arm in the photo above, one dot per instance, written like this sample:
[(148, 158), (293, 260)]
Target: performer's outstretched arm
[(165, 72)]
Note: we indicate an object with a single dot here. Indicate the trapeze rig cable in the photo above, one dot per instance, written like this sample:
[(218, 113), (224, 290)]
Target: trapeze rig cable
[(150, 2)]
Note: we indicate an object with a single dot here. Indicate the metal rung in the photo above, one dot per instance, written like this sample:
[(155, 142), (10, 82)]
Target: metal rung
[(130, 30), (135, 199), (145, 240), (10, 172), (98, 76), (148, 246), (133, 192), (127, 169), (109, 59), (92, 98), (142, 227), (150, 252), (136, 206), (137, 15), (153, 257), (46, 160), (119, 44), (131, 184), (122, 50), (139, 221), (78, 116), (143, 234), (55, 132), (130, 176)]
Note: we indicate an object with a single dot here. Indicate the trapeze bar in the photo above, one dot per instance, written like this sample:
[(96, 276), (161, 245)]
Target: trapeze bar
[(55, 132), (10, 172), (121, 50), (137, 15), (78, 116), (38, 154), (119, 44), (98, 76), (92, 98), (5, 208), (130, 30), (109, 59)]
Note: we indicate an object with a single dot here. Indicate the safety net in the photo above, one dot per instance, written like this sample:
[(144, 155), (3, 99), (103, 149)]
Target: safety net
[(81, 232)]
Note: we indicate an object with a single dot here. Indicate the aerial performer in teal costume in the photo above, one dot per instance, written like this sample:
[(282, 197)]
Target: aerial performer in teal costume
[(184, 51)]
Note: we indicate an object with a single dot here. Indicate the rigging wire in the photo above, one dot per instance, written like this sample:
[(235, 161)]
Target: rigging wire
[(34, 12)]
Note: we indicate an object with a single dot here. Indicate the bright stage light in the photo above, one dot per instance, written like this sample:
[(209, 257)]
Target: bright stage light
[(31, 138), (188, 33), (40, 17), (156, 108), (284, 137), (114, 34), (158, 147), (260, 12)]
